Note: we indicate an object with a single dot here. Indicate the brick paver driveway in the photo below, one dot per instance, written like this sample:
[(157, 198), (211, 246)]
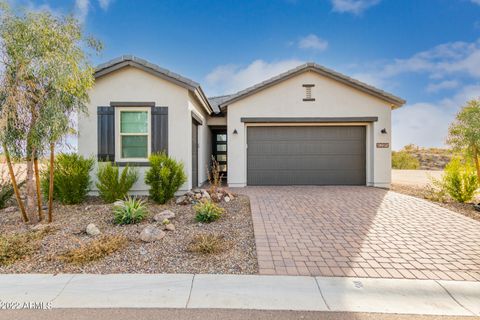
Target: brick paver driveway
[(361, 231)]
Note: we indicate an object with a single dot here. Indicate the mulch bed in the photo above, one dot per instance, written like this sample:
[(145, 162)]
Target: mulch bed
[(465, 209), (169, 255)]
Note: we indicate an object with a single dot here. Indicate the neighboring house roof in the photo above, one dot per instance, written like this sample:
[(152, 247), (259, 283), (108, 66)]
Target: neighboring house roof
[(310, 66), (130, 60)]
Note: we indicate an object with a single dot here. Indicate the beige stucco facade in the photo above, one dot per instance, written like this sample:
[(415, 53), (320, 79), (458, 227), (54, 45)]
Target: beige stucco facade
[(131, 81), (131, 84), (332, 99)]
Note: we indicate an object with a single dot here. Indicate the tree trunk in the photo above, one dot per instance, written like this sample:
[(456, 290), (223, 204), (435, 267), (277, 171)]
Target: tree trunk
[(39, 194), (50, 187), (14, 184), (30, 190), (475, 159)]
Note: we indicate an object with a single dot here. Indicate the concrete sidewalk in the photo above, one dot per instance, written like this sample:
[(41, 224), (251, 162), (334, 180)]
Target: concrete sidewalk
[(429, 297)]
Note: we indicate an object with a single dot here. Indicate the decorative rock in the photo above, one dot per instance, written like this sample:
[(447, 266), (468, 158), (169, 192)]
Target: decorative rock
[(92, 230), (39, 227), (196, 190), (206, 195), (10, 210), (166, 214), (170, 227), (198, 196), (150, 234), (181, 200), (189, 194), (118, 203), (227, 199)]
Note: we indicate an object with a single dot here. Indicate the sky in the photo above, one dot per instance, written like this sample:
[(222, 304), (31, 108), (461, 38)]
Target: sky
[(425, 51)]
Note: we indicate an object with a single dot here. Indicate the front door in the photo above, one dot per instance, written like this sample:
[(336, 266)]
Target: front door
[(194, 155), (219, 149)]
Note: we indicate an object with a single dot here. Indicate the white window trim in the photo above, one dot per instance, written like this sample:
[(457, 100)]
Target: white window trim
[(118, 135)]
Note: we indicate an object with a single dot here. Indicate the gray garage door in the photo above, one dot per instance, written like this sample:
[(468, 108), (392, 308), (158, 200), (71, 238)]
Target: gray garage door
[(306, 155)]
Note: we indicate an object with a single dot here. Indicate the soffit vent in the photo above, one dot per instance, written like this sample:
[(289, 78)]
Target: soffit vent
[(308, 92)]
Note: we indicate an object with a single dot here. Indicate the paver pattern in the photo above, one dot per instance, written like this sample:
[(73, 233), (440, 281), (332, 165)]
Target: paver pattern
[(361, 231)]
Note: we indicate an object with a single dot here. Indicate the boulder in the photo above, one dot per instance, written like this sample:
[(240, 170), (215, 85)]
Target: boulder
[(92, 230), (206, 195), (196, 190), (227, 199), (165, 214), (118, 203), (170, 227), (10, 210), (39, 227), (182, 200), (151, 233)]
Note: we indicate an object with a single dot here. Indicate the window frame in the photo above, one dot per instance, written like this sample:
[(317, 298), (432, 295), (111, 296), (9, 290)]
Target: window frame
[(118, 133)]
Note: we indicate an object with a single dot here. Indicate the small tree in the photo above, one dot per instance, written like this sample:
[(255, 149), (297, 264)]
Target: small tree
[(464, 132), (46, 77)]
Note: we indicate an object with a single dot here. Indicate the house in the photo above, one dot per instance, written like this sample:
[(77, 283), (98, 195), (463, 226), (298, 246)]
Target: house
[(307, 126)]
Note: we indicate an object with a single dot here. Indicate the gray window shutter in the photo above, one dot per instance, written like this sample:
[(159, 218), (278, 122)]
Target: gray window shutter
[(106, 133), (160, 129)]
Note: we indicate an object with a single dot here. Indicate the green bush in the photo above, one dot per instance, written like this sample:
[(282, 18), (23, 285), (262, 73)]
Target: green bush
[(113, 185), (460, 180), (208, 211), (71, 178), (404, 160), (164, 177), (131, 211), (6, 187)]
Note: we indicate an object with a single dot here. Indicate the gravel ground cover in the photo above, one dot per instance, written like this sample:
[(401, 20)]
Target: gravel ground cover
[(465, 209), (168, 255)]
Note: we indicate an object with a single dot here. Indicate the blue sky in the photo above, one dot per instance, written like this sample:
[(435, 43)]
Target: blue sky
[(425, 51)]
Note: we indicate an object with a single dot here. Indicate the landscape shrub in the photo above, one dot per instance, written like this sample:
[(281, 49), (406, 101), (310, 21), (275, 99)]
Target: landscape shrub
[(404, 160), (6, 187), (71, 178), (132, 210), (95, 249), (207, 244), (18, 246), (113, 185), (164, 177), (460, 180), (207, 211)]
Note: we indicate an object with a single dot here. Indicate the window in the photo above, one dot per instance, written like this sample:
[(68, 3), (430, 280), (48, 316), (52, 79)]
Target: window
[(134, 133), (221, 147)]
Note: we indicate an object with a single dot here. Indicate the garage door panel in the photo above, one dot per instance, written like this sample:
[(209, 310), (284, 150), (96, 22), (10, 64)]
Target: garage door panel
[(279, 148), (306, 155), (299, 162), (292, 177)]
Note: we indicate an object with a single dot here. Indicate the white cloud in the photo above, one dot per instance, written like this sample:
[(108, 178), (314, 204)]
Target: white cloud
[(231, 78), (475, 1), (313, 42), (447, 84), (81, 9), (425, 123), (353, 6), (104, 4), (449, 59)]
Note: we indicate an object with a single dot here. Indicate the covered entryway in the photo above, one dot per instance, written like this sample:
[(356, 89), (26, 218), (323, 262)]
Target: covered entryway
[(306, 155)]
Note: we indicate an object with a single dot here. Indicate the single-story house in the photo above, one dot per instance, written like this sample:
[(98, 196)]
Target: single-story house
[(307, 126)]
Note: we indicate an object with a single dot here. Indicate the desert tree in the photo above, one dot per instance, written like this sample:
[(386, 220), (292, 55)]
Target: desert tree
[(464, 132), (46, 78)]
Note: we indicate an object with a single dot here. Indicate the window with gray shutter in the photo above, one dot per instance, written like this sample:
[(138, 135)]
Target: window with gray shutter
[(106, 133), (159, 129)]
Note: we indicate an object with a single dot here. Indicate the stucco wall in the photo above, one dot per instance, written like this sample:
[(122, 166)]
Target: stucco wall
[(133, 85), (333, 99), (204, 139)]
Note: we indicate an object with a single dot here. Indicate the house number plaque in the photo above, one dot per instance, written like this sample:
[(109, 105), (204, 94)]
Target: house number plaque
[(383, 145)]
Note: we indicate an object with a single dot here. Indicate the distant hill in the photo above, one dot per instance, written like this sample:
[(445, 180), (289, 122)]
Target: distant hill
[(430, 158)]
